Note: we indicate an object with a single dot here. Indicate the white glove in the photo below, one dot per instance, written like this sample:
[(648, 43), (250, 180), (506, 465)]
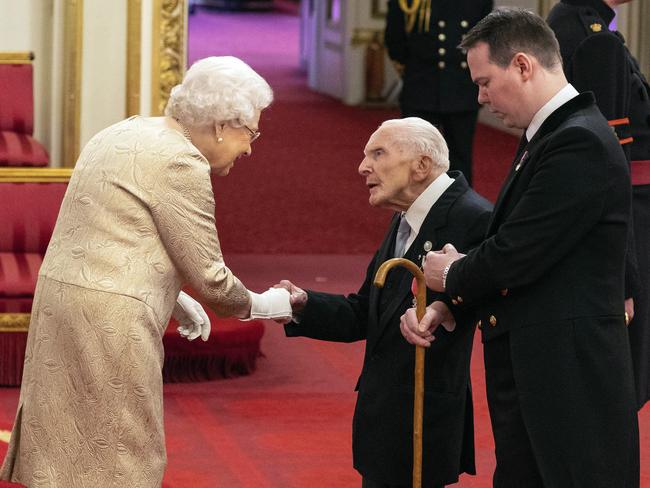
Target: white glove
[(192, 319), (272, 304)]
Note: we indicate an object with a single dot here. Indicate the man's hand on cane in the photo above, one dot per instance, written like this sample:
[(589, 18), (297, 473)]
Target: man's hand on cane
[(436, 265), (421, 333)]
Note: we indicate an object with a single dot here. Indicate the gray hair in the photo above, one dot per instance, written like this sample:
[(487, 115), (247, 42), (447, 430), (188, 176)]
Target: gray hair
[(417, 137), (219, 89), (509, 30)]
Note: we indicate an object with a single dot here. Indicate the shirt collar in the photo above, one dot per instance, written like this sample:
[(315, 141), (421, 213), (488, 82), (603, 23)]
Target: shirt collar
[(419, 209), (563, 96)]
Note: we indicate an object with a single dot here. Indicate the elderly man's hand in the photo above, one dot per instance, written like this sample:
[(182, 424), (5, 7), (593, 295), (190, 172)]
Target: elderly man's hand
[(436, 263), (192, 319), (421, 333), (297, 296)]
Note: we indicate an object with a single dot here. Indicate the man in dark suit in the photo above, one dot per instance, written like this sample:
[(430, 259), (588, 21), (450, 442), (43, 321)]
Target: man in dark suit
[(547, 283), (422, 38), (596, 59), (405, 168)]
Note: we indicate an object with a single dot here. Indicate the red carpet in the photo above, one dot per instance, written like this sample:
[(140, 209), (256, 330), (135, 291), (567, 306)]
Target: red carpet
[(289, 424)]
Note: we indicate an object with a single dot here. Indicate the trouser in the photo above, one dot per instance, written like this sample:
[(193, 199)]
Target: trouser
[(516, 465)]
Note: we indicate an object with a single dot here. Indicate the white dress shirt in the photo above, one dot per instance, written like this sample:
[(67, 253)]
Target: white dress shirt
[(563, 96), (419, 209)]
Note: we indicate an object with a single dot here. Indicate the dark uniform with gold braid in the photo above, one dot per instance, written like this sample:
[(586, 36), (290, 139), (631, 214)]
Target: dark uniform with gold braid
[(597, 60), (422, 38)]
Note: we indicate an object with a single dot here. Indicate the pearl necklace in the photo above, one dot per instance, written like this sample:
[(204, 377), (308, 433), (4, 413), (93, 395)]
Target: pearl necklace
[(185, 130)]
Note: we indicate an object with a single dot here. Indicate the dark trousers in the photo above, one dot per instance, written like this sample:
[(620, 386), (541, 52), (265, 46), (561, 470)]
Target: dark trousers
[(366, 483), (458, 130), (516, 466), (639, 328)]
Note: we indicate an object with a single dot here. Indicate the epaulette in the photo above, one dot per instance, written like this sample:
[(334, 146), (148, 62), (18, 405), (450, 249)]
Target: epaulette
[(591, 21)]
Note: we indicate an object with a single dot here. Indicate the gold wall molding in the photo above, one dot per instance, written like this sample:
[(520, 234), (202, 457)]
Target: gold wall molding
[(169, 53), (133, 56), (35, 175), (14, 322), (16, 57), (72, 48)]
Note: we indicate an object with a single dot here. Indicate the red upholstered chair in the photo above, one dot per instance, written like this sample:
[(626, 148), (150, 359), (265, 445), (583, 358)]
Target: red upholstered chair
[(232, 350), (31, 199), (17, 146)]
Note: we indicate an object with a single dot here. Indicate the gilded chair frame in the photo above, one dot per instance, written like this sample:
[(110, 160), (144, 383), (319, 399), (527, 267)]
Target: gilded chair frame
[(19, 322)]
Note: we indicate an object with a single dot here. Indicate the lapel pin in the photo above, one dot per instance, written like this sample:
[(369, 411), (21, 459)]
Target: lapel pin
[(427, 246), (521, 161)]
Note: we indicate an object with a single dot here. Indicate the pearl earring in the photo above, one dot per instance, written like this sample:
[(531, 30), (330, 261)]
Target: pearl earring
[(219, 139)]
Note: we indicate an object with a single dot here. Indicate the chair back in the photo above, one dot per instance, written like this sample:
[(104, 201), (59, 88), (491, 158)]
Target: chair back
[(16, 93)]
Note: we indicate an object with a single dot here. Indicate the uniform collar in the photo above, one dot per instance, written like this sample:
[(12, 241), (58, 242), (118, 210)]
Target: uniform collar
[(602, 9)]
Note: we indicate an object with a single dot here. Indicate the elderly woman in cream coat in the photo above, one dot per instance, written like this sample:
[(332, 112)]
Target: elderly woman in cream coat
[(136, 223)]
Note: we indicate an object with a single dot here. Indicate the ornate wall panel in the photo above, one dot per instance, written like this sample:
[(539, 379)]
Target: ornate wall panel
[(169, 50)]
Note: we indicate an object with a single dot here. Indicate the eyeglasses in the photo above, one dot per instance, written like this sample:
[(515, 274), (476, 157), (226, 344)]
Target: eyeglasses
[(254, 134)]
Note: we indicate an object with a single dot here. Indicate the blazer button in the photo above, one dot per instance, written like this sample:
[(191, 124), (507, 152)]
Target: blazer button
[(463, 64), (504, 292), (493, 320), (464, 24), (460, 299), (441, 64), (442, 51), (454, 301), (442, 37), (442, 24), (479, 324)]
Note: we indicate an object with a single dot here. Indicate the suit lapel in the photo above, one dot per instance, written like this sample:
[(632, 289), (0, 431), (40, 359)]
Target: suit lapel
[(522, 155), (385, 253), (551, 123)]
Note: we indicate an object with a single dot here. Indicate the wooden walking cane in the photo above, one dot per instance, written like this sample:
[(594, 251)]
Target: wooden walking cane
[(418, 398)]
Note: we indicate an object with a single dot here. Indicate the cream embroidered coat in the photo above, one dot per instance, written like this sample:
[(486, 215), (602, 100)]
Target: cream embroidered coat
[(136, 222)]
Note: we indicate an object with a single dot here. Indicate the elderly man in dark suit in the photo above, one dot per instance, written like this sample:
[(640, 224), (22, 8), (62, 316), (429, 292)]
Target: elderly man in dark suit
[(596, 59), (548, 282), (422, 38), (405, 168)]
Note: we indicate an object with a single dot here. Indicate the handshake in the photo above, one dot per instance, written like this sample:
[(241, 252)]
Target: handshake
[(284, 300), (278, 303)]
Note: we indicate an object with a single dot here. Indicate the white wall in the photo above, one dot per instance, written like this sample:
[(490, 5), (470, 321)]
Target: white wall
[(103, 73)]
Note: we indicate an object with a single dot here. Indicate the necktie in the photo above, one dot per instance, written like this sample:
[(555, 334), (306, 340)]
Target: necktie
[(403, 232)]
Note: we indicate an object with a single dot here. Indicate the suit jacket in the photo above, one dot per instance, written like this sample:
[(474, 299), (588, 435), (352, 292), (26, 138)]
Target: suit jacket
[(551, 275), (383, 419), (436, 76)]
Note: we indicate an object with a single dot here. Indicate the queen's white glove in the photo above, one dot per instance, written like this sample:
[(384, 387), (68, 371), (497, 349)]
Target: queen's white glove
[(272, 304), (192, 319)]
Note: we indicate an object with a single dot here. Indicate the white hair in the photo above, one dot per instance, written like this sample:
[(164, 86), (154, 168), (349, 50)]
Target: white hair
[(219, 89), (418, 137)]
